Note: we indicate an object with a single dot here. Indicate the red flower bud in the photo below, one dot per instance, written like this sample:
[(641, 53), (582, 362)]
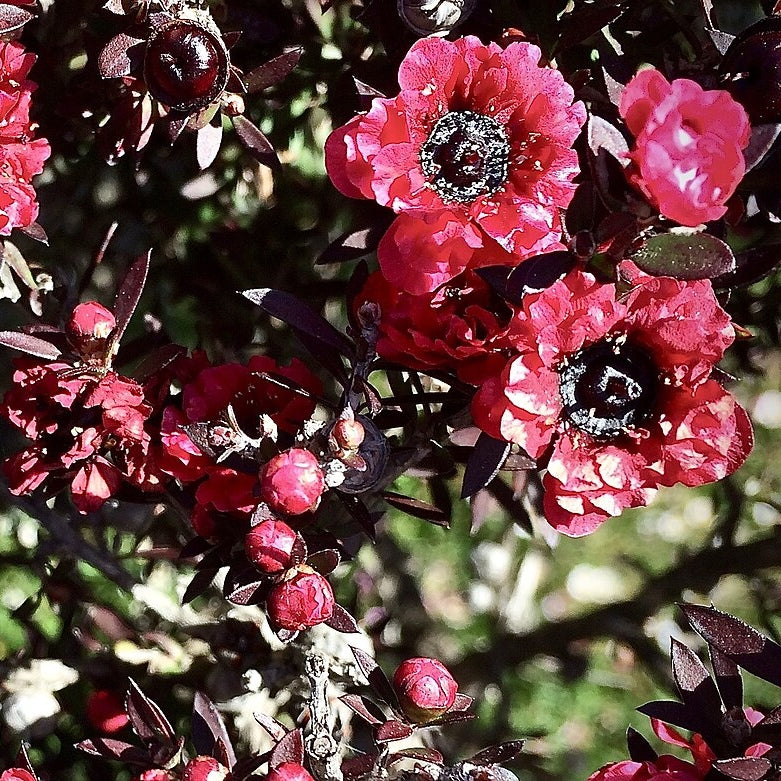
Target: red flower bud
[(154, 775), (289, 771), (301, 601), (17, 774), (90, 321), (205, 769), (292, 482), (348, 434), (425, 688), (268, 545), (106, 711)]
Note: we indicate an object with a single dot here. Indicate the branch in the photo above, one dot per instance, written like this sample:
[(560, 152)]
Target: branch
[(321, 747)]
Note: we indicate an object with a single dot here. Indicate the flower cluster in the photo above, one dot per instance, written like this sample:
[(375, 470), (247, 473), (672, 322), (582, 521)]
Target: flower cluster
[(21, 154)]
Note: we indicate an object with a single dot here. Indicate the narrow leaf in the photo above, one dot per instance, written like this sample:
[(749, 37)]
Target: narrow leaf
[(273, 71), (640, 750), (727, 678), (354, 244), (114, 749), (376, 677), (129, 294), (484, 463), (417, 509), (207, 143), (29, 344), (289, 749), (392, 730), (675, 713), (324, 561), (342, 621), (13, 18), (149, 722), (762, 140), (685, 256), (423, 754), (461, 702), (537, 274), (119, 57), (497, 755), (200, 582), (255, 142), (745, 768), (275, 730), (696, 687), (359, 705), (602, 135), (208, 728), (35, 231)]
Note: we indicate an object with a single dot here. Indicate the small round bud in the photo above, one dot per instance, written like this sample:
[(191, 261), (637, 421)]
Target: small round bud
[(751, 70), (17, 774), (292, 482), (233, 104), (289, 771), (268, 546), (303, 600), (106, 711), (205, 769), (90, 322), (153, 775), (348, 434), (185, 65), (425, 689)]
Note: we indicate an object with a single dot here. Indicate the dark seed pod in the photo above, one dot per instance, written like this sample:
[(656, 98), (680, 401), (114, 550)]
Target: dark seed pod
[(438, 17), (751, 70), (185, 65)]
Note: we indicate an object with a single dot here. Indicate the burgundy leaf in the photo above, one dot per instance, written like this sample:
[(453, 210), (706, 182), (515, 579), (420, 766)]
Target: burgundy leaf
[(129, 294), (272, 726), (255, 142), (166, 755), (537, 274), (451, 717), (762, 140), (366, 93), (208, 728), (12, 18), (30, 344), (728, 678), (744, 768), (497, 755), (696, 687), (23, 760), (769, 729), (423, 754), (289, 749), (245, 767), (484, 463), (675, 713), (392, 730), (361, 705), (685, 256), (721, 40), (751, 650), (495, 277), (376, 677), (120, 57), (751, 265), (602, 135), (640, 750), (342, 621), (273, 71), (200, 582), (360, 513), (354, 244), (298, 552), (324, 561), (583, 24), (357, 767), (417, 508), (299, 317), (114, 749), (149, 722), (158, 360), (35, 231), (207, 143), (461, 702)]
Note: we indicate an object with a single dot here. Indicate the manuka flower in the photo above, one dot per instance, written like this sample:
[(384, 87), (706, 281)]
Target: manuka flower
[(621, 390), (475, 155), (688, 156)]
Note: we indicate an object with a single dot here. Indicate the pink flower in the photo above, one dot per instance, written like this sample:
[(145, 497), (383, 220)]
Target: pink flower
[(292, 482), (289, 771), (106, 711), (154, 775), (268, 545), (303, 599), (663, 768), (17, 774), (89, 322), (475, 154), (618, 391), (21, 155), (425, 688), (205, 769), (687, 158)]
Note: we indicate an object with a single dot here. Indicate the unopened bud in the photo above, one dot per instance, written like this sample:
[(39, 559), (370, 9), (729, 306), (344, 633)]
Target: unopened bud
[(292, 482), (425, 688), (268, 546), (303, 600)]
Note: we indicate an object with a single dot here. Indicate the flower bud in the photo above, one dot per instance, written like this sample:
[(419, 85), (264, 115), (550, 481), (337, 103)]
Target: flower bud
[(438, 17), (303, 600), (268, 546), (185, 65), (106, 711), (17, 774), (90, 322), (425, 689), (289, 771), (154, 775), (348, 434), (292, 482), (751, 70), (205, 769)]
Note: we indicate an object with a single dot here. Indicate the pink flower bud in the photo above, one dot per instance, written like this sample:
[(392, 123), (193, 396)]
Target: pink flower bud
[(348, 434), (89, 321), (292, 482), (205, 769), (154, 775), (425, 688), (302, 600), (268, 545), (289, 771), (106, 711), (17, 774)]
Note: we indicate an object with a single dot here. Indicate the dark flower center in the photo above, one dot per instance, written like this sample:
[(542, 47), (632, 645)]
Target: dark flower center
[(608, 388), (466, 155), (185, 66)]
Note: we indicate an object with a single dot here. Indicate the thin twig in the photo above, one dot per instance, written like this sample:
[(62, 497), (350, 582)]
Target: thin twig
[(322, 748)]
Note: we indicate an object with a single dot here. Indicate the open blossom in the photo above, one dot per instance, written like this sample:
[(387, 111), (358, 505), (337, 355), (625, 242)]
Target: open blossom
[(474, 154), (663, 768), (619, 390), (21, 155), (687, 158)]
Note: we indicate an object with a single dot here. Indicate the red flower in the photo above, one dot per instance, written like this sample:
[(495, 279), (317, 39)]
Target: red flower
[(205, 769), (269, 544), (621, 390), (106, 711), (687, 158), (21, 155), (475, 153), (154, 775), (425, 688), (90, 322), (292, 482), (289, 771), (455, 328), (303, 599), (17, 774), (663, 768)]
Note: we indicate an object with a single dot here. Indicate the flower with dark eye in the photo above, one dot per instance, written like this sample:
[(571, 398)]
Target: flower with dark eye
[(618, 394)]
